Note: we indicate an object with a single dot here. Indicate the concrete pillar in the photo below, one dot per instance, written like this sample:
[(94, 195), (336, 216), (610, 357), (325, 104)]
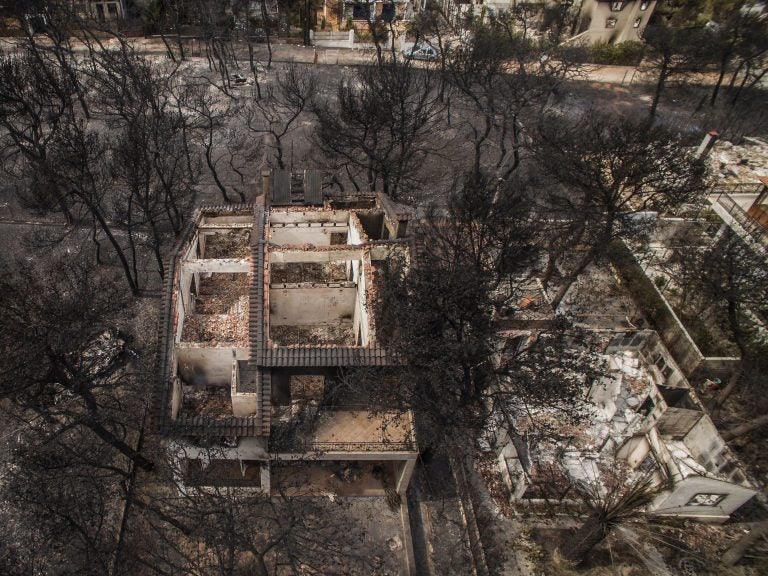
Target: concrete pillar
[(404, 476), (265, 481), (707, 143), (719, 235)]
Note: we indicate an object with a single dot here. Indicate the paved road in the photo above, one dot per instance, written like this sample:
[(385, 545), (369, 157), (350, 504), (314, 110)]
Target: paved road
[(283, 52), (354, 56)]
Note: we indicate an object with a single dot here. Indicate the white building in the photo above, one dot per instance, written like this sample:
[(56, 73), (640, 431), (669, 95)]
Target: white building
[(644, 414), (592, 21), (606, 22), (101, 10)]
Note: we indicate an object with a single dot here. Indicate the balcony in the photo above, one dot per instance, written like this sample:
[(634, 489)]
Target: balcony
[(734, 215)]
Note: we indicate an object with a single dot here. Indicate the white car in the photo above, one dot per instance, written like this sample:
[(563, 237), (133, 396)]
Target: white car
[(421, 52)]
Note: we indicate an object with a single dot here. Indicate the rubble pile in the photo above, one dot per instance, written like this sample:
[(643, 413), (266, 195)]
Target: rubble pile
[(295, 273), (213, 401), (335, 334), (742, 164), (231, 244), (222, 293), (231, 329)]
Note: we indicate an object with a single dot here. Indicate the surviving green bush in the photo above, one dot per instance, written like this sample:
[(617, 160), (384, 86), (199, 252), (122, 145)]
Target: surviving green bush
[(622, 54)]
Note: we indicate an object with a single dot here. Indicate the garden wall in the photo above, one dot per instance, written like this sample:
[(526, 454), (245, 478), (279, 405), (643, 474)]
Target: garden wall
[(664, 320)]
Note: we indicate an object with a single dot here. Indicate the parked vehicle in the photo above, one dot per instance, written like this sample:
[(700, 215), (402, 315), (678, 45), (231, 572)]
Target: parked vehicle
[(421, 52)]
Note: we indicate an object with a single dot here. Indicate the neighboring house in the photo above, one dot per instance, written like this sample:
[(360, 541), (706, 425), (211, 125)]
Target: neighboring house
[(265, 309), (388, 11), (592, 21), (740, 195), (101, 10), (737, 202), (644, 414), (606, 22), (338, 14), (106, 10), (36, 18)]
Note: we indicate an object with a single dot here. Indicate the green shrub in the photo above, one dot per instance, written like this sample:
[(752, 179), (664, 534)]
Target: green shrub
[(622, 54)]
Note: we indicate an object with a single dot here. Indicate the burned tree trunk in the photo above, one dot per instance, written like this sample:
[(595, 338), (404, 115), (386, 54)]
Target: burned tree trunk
[(587, 536), (746, 428), (743, 544)]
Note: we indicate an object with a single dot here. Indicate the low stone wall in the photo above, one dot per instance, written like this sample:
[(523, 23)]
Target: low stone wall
[(664, 320), (332, 39), (347, 40)]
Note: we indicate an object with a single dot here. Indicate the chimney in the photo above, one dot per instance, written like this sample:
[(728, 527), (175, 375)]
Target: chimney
[(707, 144), (266, 181)]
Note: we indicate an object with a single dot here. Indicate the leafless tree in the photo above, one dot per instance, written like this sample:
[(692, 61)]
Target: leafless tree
[(168, 15), (211, 111), (277, 112), (724, 281), (673, 52), (65, 321), (505, 74), (73, 417), (381, 125), (442, 319), (63, 496), (34, 100), (726, 275), (740, 548), (63, 162), (150, 155), (202, 525), (79, 163), (50, 45)]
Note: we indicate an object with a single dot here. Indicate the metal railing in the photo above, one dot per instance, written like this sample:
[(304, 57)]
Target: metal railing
[(756, 232), (739, 188), (322, 447)]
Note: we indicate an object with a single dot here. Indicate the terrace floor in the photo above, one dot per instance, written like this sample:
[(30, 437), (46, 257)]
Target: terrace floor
[(354, 426), (223, 473)]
